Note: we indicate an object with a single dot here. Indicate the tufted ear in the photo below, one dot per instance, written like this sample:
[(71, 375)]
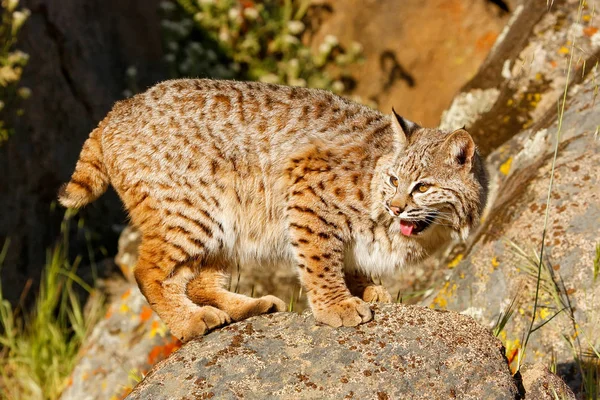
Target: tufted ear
[(459, 148), (403, 128)]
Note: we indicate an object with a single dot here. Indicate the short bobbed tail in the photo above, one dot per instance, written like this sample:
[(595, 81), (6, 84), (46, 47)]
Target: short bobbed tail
[(90, 179)]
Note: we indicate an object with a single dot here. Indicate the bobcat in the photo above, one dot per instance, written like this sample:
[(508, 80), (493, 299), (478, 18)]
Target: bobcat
[(218, 172)]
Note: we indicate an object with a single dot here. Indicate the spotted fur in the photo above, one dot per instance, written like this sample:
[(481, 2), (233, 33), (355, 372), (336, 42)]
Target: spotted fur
[(220, 172)]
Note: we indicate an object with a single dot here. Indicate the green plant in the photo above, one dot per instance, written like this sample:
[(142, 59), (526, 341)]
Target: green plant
[(12, 63), (597, 262), (294, 299), (39, 346), (504, 317), (244, 39)]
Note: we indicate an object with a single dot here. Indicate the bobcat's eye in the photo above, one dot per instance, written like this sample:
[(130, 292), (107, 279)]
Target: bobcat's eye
[(421, 188), (394, 181)]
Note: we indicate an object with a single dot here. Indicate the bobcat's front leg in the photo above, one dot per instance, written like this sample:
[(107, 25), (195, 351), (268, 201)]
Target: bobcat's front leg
[(363, 286), (319, 251)]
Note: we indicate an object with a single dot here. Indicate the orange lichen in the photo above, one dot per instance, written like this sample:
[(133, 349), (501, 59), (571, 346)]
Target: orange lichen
[(99, 370), (126, 294), (485, 42), (158, 328), (146, 314), (161, 352), (590, 30), (125, 392), (513, 347)]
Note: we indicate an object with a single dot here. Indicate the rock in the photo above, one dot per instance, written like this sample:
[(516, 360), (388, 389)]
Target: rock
[(120, 350), (540, 384), (418, 53), (126, 258), (502, 262), (523, 77), (406, 352)]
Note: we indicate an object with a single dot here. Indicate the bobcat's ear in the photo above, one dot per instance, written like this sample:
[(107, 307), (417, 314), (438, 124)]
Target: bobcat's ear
[(459, 148), (403, 128)]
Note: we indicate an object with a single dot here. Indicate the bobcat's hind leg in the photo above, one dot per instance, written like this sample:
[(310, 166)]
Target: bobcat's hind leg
[(208, 289), (163, 281), (362, 286)]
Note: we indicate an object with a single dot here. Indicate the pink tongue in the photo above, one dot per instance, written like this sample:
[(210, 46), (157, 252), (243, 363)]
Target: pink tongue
[(406, 227)]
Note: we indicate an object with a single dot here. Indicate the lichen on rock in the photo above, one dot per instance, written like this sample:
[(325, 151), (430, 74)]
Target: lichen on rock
[(405, 352)]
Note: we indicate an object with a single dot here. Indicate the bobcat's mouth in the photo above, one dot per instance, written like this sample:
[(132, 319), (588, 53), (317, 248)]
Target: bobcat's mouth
[(408, 228)]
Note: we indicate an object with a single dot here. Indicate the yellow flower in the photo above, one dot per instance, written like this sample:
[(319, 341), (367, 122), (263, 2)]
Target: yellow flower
[(505, 167)]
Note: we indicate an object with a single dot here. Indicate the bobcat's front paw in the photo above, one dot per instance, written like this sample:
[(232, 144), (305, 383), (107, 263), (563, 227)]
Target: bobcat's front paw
[(202, 320), (376, 294), (349, 312)]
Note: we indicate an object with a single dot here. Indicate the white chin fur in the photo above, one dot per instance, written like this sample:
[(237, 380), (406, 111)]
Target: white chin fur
[(464, 233)]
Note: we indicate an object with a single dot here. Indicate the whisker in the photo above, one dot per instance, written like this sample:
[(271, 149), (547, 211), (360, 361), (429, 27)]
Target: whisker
[(440, 224)]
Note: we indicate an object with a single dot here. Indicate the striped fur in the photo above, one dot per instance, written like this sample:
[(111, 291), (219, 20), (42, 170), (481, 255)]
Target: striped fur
[(220, 172)]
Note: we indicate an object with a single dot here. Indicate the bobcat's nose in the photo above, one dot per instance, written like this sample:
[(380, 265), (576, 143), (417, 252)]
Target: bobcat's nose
[(396, 210)]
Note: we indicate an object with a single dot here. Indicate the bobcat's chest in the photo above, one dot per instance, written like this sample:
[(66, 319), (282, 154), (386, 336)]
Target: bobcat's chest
[(376, 253)]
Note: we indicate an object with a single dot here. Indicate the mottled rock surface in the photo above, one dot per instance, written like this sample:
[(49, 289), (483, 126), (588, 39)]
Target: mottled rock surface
[(540, 384), (406, 352), (502, 261)]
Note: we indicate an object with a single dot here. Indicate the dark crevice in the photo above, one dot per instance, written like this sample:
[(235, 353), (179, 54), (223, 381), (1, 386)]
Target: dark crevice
[(501, 5), (393, 70), (57, 36)]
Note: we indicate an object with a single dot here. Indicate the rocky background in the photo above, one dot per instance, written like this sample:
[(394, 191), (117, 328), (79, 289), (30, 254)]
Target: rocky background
[(522, 77)]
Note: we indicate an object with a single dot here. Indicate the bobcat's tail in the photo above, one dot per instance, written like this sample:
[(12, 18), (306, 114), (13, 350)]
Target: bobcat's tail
[(90, 178)]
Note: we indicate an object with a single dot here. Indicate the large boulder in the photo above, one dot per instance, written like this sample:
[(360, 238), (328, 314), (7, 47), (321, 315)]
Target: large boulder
[(405, 352), (504, 254)]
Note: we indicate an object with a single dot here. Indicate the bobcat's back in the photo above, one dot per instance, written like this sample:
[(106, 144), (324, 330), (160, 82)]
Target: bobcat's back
[(202, 162)]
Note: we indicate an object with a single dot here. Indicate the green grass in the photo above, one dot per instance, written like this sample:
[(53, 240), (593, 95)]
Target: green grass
[(597, 263), (504, 317), (39, 347)]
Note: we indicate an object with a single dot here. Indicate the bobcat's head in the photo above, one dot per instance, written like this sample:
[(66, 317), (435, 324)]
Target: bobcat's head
[(437, 181)]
